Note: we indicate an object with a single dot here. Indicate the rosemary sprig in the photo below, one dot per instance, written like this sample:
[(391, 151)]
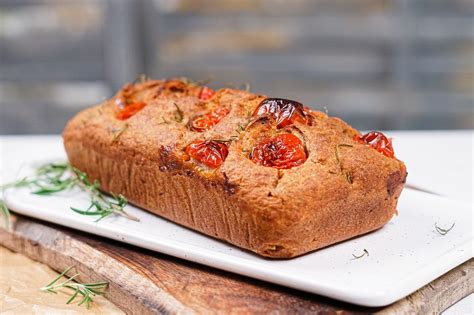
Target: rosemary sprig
[(443, 231), (365, 253), (178, 115), (56, 177), (86, 290)]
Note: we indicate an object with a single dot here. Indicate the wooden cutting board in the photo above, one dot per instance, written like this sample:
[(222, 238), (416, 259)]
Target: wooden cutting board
[(145, 282)]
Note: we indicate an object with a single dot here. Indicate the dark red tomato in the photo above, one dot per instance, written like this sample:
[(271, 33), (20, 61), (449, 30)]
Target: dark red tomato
[(282, 152), (207, 121), (206, 93), (285, 112), (378, 141), (130, 110), (210, 153)]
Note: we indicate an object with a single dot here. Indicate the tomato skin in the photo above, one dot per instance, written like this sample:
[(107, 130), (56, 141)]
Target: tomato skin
[(282, 152), (207, 121), (378, 141), (285, 112), (206, 93), (209, 152), (130, 110)]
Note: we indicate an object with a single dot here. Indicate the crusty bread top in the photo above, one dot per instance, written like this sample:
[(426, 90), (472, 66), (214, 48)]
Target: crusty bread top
[(336, 166)]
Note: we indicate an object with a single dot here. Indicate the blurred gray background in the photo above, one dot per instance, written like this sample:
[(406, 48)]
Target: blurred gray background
[(393, 64)]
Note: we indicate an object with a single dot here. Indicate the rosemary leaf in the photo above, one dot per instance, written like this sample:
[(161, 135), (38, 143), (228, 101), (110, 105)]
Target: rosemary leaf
[(72, 297), (119, 132), (348, 177), (365, 253), (443, 231), (164, 121), (57, 278), (179, 115), (231, 139), (240, 129)]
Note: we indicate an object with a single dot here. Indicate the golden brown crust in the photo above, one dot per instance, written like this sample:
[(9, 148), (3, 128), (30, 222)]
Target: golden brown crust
[(342, 190)]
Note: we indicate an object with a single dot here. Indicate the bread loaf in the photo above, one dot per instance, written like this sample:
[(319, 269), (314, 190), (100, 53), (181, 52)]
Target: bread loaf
[(267, 175)]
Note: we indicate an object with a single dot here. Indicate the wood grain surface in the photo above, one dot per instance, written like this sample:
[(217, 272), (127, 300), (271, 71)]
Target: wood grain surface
[(145, 282)]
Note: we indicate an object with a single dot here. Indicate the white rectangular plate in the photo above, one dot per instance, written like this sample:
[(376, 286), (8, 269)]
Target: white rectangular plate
[(404, 255)]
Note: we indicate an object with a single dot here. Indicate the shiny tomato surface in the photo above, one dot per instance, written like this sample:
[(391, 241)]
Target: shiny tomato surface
[(285, 112), (211, 153), (206, 93), (283, 151), (207, 121), (378, 141), (130, 110)]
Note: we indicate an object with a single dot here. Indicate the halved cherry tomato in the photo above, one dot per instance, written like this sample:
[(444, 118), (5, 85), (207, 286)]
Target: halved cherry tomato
[(130, 110), (207, 121), (211, 153), (283, 151), (378, 141), (206, 93), (285, 112)]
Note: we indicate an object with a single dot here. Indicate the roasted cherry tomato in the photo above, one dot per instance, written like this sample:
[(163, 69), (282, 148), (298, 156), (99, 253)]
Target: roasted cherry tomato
[(285, 112), (206, 93), (378, 141), (282, 152), (207, 121), (130, 110), (211, 153)]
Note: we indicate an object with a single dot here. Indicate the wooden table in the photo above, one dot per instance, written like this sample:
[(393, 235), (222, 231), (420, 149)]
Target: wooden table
[(146, 282)]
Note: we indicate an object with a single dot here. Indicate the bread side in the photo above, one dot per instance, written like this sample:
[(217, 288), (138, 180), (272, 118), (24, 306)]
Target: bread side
[(343, 189)]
